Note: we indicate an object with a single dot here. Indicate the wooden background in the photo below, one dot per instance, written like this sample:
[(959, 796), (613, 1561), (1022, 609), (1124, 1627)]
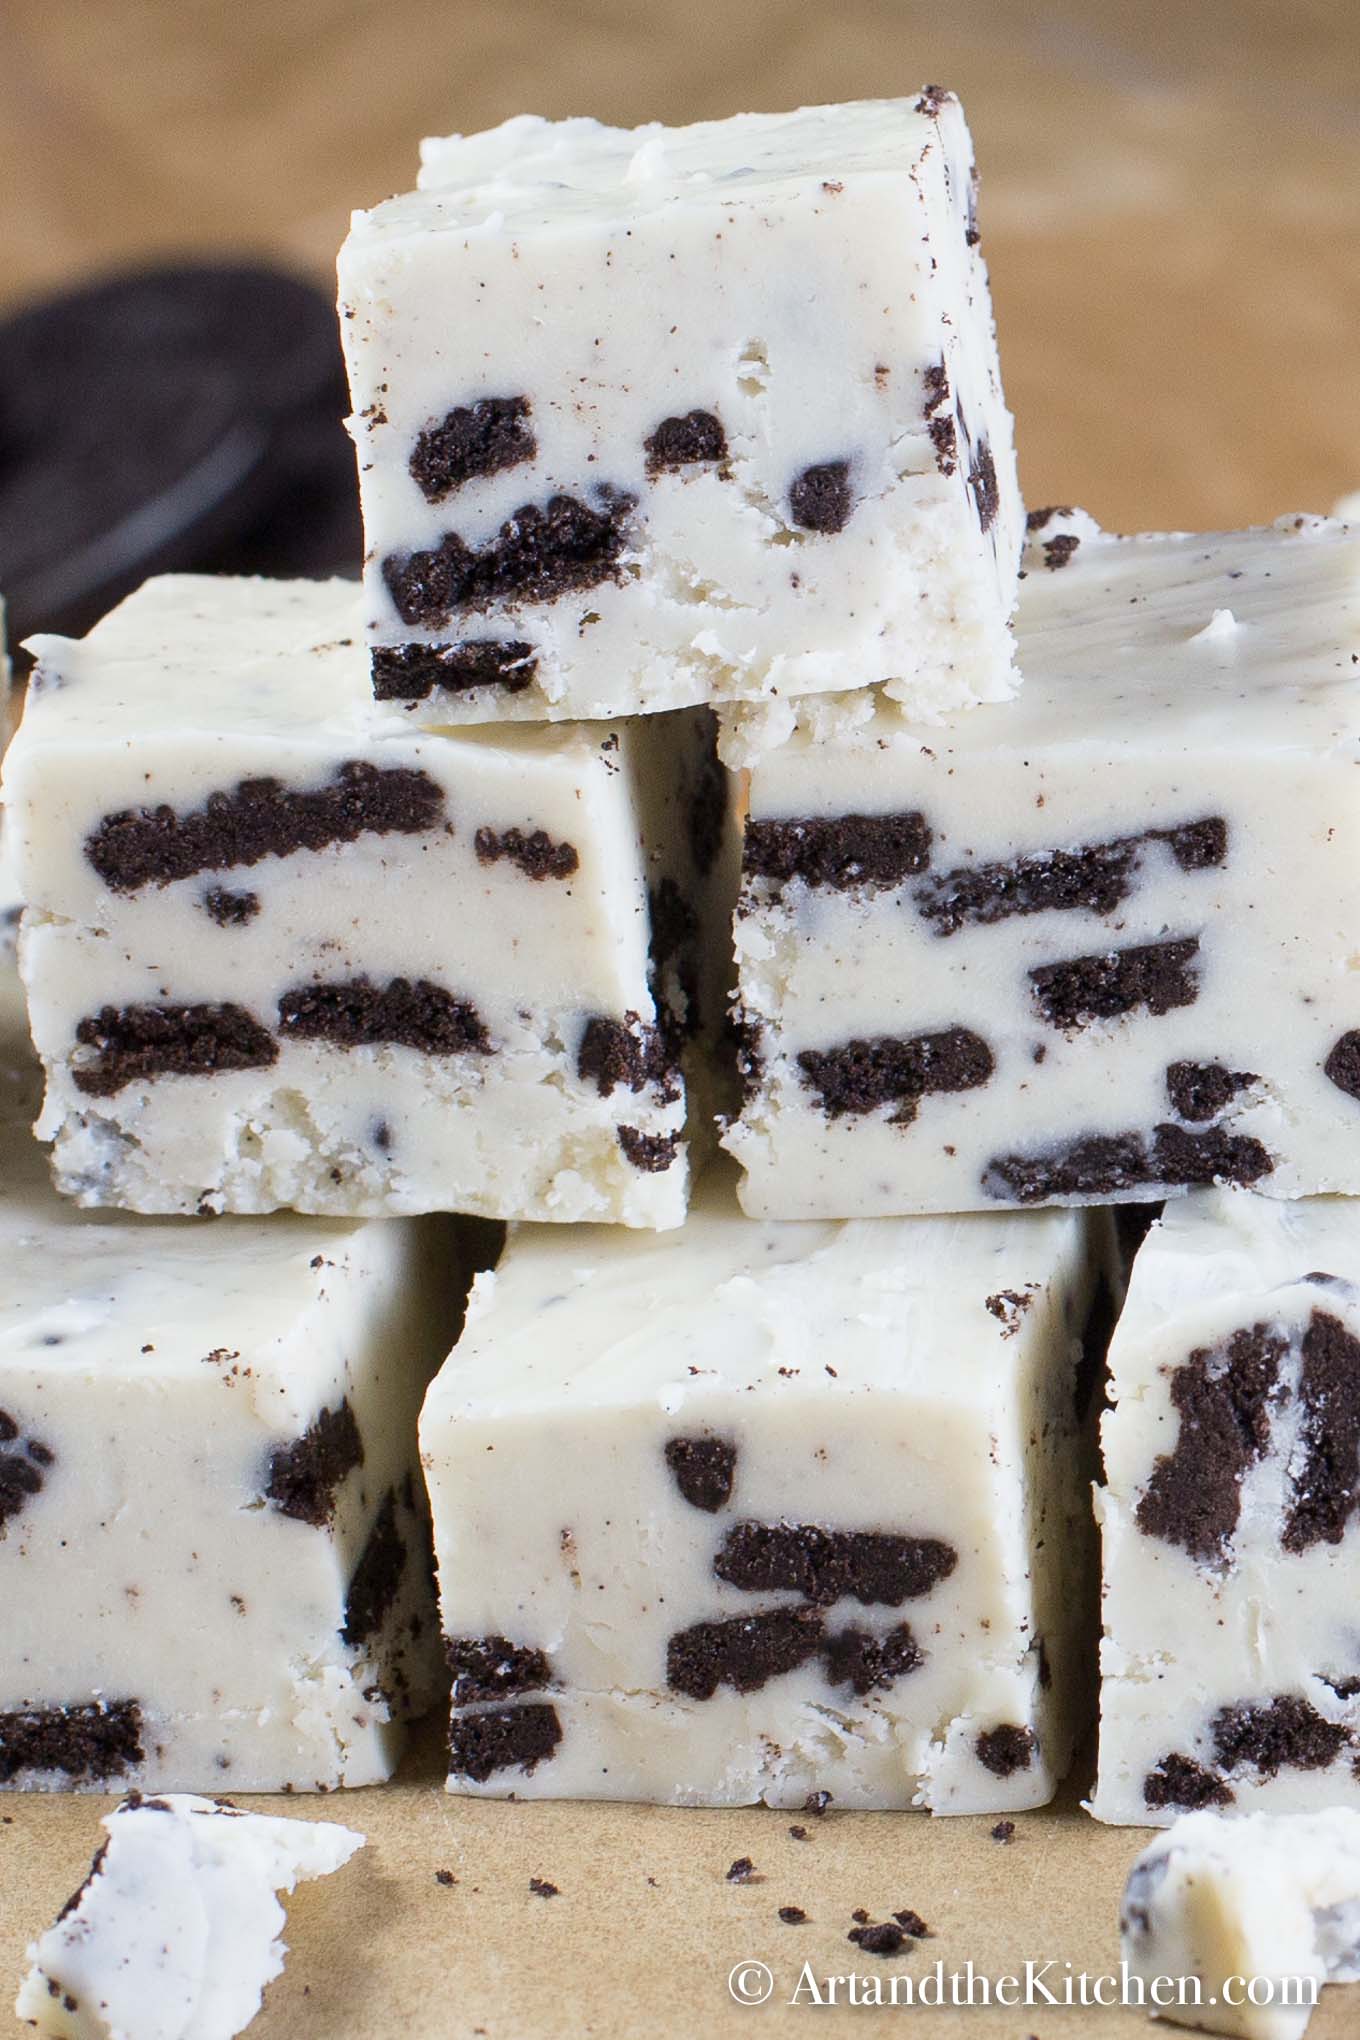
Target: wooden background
[(1171, 188)]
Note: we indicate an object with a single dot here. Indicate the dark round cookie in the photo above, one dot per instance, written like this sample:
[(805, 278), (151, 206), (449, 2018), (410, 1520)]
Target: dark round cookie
[(178, 419)]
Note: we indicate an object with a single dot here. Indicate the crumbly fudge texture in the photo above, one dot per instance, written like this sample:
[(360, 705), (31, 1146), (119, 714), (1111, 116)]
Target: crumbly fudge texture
[(1231, 1515), (1088, 946), (177, 1929), (1270, 1896), (275, 960), (746, 1512), (662, 416)]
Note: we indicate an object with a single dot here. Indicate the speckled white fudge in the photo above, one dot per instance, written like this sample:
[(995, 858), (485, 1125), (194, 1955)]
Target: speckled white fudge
[(1265, 1908), (1097, 943), (747, 1512), (1231, 1655), (274, 960), (659, 416), (177, 1929)]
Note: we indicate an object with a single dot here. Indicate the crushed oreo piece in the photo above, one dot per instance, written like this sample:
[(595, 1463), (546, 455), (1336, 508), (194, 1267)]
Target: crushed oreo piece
[(744, 1652), (886, 1938), (135, 1044), (539, 554), (503, 1739), (1005, 1749), (541, 1888), (21, 1471), (704, 1469), (536, 854), (869, 1664), (305, 1476), (1004, 1831), (1326, 1488), (844, 852), (874, 1567), (682, 442), (413, 672), (653, 1153), (1094, 879), (1179, 1782), (983, 483), (470, 441), (360, 1014), (1008, 1306), (933, 98), (896, 1070), (1343, 1064), (792, 1915), (377, 1577), (1285, 1733), (1196, 846), (1156, 977), (1059, 549), (629, 1054), (1223, 1396), (819, 498), (1100, 1164), (230, 909), (94, 1739), (1200, 1091), (743, 1871), (944, 437), (491, 1667)]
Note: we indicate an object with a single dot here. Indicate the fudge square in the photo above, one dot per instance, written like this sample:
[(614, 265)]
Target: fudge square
[(1231, 1654), (1099, 943), (656, 416), (274, 960), (745, 1512), (215, 1563)]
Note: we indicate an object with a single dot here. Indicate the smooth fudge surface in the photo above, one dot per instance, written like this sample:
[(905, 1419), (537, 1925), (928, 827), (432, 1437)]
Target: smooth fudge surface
[(273, 959), (1231, 1515), (177, 1929), (746, 1512), (1092, 945), (659, 416)]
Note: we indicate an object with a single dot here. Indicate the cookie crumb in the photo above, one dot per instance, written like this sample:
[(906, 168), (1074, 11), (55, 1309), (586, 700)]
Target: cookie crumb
[(541, 1888), (444, 1877), (1003, 1831), (792, 1915), (743, 1871)]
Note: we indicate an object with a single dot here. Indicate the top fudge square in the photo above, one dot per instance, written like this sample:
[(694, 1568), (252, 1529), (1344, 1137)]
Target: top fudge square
[(654, 417)]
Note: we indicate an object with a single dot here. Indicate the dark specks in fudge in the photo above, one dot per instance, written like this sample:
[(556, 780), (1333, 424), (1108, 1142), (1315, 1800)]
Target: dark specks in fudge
[(1181, 1783), (1155, 977), (819, 498), (230, 909), (932, 99), (628, 1054), (1098, 1164), (1005, 1750), (23, 1463), (744, 1652), (1059, 549), (133, 1044), (360, 1014), (935, 388), (944, 437), (1223, 1396), (982, 483), (534, 852), (493, 1668), (891, 1070), (503, 1739), (539, 554), (704, 1469), (652, 1153), (1283, 1733), (414, 672), (304, 1477), (472, 440), (1200, 1091), (678, 443), (873, 1567), (1327, 1486), (377, 1576), (1008, 1307), (260, 818), (95, 1739), (844, 852), (866, 1663), (1342, 1066), (1093, 878)]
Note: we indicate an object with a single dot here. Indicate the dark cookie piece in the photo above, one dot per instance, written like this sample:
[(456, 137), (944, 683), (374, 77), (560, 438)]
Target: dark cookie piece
[(261, 818), (20, 1480), (1343, 1064), (653, 1153), (792, 1915), (230, 909), (1200, 1091), (1100, 1165), (539, 554), (492, 1668), (1283, 1733), (743, 1871), (745, 1652), (1058, 551), (1005, 1750), (944, 437), (360, 1014), (413, 672), (1196, 846), (703, 1469), (536, 854), (875, 1567), (884, 1938), (503, 1739), (136, 1043), (377, 1576), (892, 1070), (932, 99), (1156, 977), (681, 442), (1037, 520), (1183, 1159), (819, 498), (542, 1888), (1223, 1396), (867, 1663), (471, 440), (1008, 1306), (844, 852), (935, 387), (304, 1476), (983, 483), (1327, 1490), (627, 1053), (1095, 880), (1179, 1782), (92, 1739)]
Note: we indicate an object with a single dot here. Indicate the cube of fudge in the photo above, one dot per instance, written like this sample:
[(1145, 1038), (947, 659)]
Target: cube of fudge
[(659, 416), (176, 1931), (1237, 1924), (1231, 1515), (215, 1563), (275, 960), (1095, 944), (745, 1512)]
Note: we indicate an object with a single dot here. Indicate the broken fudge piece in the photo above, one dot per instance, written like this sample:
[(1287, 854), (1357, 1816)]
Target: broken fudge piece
[(1083, 947), (755, 1512), (275, 960), (1245, 1919), (177, 1929), (656, 416), (1231, 1514)]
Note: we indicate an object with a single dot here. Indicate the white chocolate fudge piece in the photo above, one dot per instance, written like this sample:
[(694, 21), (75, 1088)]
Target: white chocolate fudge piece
[(177, 1929), (657, 416), (746, 1512), (1231, 1514), (1269, 1903), (275, 960), (1091, 945), (214, 1549)]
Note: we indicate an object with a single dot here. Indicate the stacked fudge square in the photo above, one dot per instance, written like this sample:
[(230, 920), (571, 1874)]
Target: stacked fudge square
[(707, 710)]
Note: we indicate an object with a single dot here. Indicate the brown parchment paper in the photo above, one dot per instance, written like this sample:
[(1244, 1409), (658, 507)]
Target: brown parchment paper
[(1171, 195)]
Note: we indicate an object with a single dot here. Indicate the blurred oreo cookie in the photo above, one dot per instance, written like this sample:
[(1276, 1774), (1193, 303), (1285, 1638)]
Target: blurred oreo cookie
[(182, 419)]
